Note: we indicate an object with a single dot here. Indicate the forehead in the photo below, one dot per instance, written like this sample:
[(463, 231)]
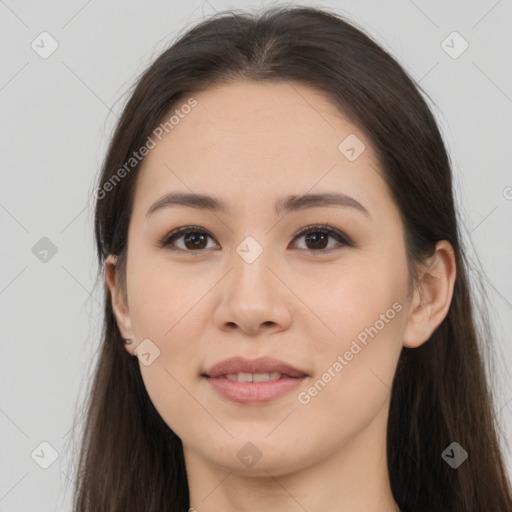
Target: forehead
[(281, 115), (246, 139)]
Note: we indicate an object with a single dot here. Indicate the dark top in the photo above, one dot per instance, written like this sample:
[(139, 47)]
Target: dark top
[(419, 510)]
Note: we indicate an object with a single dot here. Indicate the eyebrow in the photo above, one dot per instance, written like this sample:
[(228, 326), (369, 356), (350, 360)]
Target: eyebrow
[(288, 204)]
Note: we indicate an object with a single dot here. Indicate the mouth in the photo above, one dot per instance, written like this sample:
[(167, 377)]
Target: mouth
[(253, 381)]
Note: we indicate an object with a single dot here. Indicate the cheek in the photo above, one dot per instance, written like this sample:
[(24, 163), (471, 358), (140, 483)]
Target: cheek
[(355, 359), (353, 376), (160, 297), (165, 307), (348, 299)]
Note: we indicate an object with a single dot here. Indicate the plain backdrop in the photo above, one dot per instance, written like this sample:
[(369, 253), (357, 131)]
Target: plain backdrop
[(57, 114)]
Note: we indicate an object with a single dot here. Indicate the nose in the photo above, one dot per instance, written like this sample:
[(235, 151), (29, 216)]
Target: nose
[(254, 297)]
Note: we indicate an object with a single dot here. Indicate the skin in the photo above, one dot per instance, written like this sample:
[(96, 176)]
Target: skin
[(250, 144)]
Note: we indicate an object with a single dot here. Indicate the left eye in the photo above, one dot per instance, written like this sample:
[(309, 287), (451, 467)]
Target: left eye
[(195, 238), (317, 235)]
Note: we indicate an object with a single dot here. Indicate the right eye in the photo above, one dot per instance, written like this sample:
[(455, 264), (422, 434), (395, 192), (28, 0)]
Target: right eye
[(194, 239)]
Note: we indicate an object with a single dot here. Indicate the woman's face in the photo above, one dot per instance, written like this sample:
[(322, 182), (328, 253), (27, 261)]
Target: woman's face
[(246, 284)]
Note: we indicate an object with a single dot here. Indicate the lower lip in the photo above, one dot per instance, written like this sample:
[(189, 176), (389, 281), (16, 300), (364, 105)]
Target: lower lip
[(254, 392)]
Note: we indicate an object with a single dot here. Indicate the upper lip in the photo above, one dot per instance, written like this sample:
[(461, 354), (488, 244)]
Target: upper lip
[(260, 365)]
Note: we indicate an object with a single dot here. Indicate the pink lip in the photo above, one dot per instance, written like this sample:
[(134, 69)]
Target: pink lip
[(254, 392), (260, 365)]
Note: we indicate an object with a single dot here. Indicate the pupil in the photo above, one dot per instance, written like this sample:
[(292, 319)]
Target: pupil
[(190, 236), (314, 238)]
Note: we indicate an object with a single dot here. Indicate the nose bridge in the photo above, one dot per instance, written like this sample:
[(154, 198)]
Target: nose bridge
[(252, 296), (251, 260)]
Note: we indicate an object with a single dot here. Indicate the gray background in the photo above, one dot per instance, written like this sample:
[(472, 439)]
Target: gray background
[(56, 118)]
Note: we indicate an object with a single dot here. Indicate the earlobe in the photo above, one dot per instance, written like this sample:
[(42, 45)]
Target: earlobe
[(119, 306), (432, 297)]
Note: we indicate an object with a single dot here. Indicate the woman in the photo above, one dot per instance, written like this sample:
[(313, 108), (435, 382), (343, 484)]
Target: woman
[(288, 321)]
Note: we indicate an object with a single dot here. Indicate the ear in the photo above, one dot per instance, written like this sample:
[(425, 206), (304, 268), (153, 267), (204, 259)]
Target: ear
[(432, 297), (119, 306)]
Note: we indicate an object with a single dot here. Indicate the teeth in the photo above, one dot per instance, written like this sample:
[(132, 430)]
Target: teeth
[(244, 377), (253, 377), (261, 377)]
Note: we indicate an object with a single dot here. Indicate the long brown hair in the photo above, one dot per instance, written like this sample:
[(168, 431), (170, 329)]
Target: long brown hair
[(130, 459)]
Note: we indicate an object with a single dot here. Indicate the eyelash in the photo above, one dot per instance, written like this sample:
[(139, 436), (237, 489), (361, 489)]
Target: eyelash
[(325, 229)]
